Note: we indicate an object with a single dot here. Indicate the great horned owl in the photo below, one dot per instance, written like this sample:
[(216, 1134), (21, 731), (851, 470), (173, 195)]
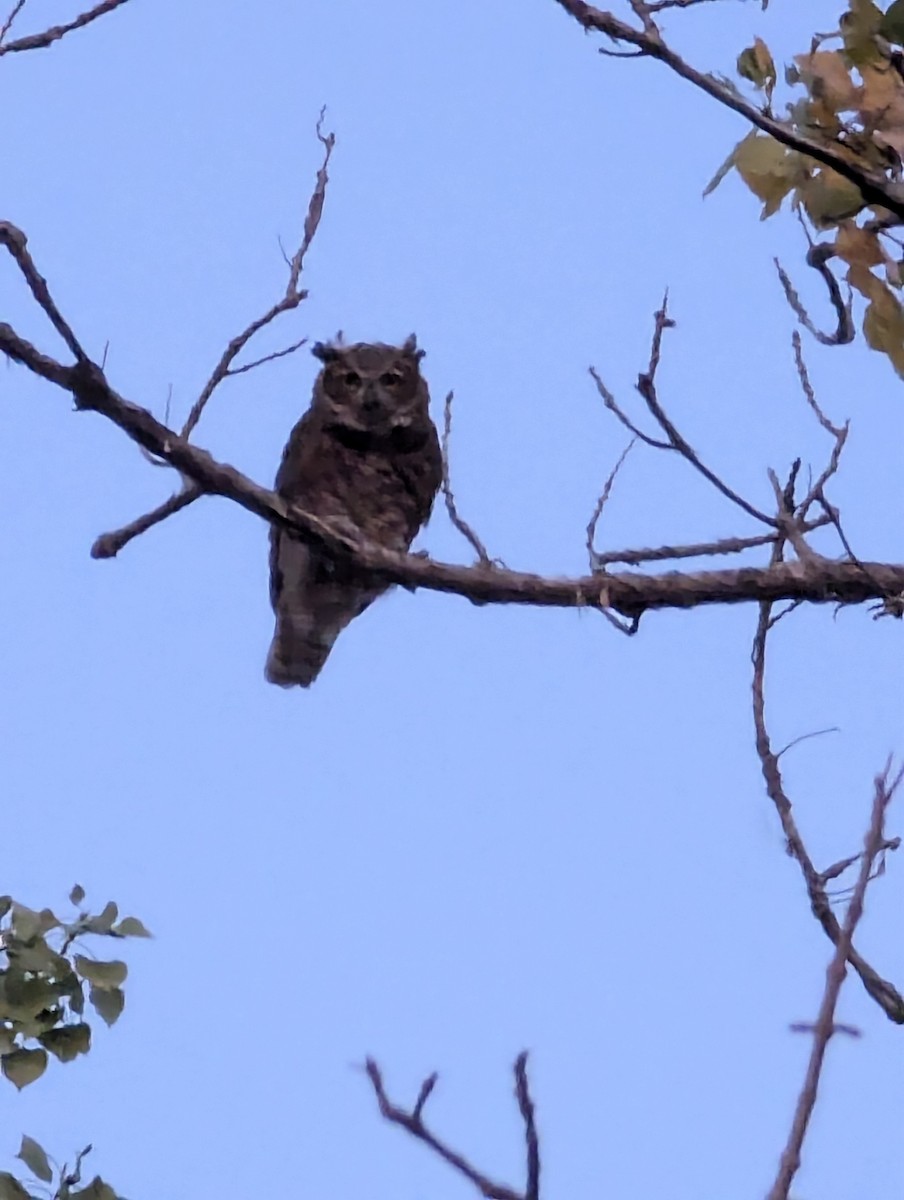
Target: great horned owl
[(365, 453)]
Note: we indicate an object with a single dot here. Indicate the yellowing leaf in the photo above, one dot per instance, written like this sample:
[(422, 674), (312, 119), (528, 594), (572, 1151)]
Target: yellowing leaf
[(856, 245), (755, 63), (883, 326), (827, 77), (829, 198)]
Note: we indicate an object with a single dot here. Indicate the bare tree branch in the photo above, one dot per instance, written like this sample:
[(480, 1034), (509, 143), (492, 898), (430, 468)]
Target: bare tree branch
[(595, 559), (646, 385), (451, 508), (294, 294), (37, 41), (817, 257), (108, 545), (884, 993), (8, 23), (413, 1123), (629, 594), (884, 790)]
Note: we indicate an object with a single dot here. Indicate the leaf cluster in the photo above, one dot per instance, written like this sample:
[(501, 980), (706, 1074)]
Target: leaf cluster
[(65, 1181), (45, 980), (853, 104)]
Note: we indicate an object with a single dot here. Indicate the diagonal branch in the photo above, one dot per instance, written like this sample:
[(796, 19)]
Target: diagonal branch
[(413, 1123), (108, 545), (884, 993), (884, 790), (37, 41), (874, 188)]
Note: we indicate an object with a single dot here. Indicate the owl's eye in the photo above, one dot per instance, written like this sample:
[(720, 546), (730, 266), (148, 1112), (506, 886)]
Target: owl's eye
[(351, 379), (391, 378)]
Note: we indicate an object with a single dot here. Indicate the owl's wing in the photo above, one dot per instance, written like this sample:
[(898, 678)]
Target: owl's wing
[(312, 598)]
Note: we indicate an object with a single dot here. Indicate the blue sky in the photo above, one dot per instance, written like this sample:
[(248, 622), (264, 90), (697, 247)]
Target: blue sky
[(484, 829)]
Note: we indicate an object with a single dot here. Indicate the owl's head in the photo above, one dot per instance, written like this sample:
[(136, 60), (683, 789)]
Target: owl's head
[(370, 387)]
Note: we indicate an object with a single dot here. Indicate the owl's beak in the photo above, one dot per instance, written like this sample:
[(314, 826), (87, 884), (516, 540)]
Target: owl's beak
[(371, 402)]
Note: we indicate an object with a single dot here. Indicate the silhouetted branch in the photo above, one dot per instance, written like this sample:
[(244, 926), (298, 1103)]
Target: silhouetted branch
[(884, 993), (413, 1123), (595, 559), (817, 258), (108, 545), (451, 508), (291, 300), (646, 385), (36, 41), (884, 790)]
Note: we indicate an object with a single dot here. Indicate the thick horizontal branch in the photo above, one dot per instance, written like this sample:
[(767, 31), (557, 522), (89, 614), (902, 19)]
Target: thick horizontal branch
[(629, 593), (874, 188)]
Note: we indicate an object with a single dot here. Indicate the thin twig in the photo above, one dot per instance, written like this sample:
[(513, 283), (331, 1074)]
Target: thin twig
[(884, 790), (294, 294), (732, 545), (108, 545), (460, 524), (413, 1123), (593, 557), (258, 362), (817, 258), (884, 993), (8, 23), (874, 188), (646, 385), (532, 1142), (36, 41), (16, 243)]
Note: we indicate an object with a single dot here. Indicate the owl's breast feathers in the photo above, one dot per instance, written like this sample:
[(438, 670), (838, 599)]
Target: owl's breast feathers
[(385, 484)]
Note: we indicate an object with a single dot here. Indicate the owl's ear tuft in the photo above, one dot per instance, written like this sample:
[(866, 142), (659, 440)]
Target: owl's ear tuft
[(410, 348), (325, 351)]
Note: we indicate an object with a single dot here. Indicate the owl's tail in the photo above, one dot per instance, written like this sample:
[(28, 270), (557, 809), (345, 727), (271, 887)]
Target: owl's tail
[(297, 653)]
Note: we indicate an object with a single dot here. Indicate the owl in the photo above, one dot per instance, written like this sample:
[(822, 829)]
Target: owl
[(365, 456)]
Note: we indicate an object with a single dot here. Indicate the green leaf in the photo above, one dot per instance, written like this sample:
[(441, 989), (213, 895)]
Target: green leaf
[(6, 903), (105, 975), (35, 1158), (131, 927), (67, 1042), (77, 895), (892, 24), (108, 1003), (859, 27), (755, 64), (103, 922), (11, 1188), (26, 923), (96, 1190), (23, 1067), (25, 996)]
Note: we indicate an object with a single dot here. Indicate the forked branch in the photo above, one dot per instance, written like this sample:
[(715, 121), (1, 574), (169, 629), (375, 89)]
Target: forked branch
[(412, 1121)]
